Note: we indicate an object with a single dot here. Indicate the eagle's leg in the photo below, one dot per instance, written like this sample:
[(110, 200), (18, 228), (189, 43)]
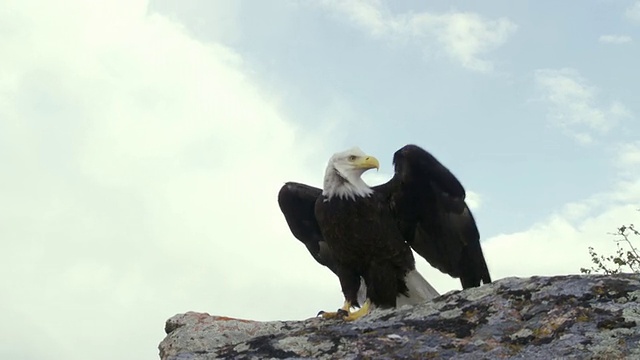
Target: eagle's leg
[(364, 310), (341, 313)]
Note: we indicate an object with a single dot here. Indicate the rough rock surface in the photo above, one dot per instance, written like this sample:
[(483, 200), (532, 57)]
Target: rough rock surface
[(581, 317)]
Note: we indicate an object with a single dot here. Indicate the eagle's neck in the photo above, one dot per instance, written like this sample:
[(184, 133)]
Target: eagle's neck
[(344, 185)]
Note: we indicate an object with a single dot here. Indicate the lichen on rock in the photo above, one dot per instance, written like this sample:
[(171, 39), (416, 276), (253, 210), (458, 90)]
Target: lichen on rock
[(575, 316)]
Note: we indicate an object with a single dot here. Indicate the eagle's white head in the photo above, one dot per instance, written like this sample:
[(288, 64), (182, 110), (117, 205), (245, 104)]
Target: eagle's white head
[(342, 177)]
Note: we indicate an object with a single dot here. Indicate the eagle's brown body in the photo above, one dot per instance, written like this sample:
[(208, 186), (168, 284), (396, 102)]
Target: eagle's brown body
[(369, 245)]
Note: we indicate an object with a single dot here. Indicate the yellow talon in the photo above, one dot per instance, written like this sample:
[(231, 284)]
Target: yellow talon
[(364, 310), (338, 314)]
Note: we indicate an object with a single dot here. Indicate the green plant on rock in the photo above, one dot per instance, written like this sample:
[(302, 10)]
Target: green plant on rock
[(625, 259)]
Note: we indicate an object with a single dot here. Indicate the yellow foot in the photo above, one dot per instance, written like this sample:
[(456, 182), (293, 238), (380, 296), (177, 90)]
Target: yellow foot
[(341, 313), (364, 310), (344, 313)]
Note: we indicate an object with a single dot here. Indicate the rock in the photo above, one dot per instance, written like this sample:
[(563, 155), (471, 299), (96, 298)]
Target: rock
[(581, 317)]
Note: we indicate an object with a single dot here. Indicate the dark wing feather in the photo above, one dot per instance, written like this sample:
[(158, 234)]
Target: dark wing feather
[(428, 202), (297, 203)]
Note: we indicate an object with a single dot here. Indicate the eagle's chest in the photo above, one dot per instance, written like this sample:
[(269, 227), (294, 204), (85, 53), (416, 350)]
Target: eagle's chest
[(349, 225)]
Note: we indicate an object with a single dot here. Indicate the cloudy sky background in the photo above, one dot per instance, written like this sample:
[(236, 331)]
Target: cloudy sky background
[(143, 145)]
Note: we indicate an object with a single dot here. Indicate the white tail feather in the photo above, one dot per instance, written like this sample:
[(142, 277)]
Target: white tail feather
[(362, 292), (419, 290)]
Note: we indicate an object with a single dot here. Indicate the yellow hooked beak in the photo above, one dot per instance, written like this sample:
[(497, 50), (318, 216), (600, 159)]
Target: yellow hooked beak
[(366, 162)]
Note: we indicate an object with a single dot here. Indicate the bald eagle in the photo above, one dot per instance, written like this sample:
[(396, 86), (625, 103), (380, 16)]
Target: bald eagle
[(365, 234)]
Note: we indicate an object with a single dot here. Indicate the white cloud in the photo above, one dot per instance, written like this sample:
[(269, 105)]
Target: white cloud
[(559, 244), (629, 155), (633, 12), (140, 174), (474, 200), (573, 106), (369, 15), (615, 39), (465, 37)]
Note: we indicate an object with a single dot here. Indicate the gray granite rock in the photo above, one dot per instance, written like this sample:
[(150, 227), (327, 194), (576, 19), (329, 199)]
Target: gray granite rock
[(569, 317)]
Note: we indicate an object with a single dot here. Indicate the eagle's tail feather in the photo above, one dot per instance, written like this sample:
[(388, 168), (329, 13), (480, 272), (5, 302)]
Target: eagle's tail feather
[(419, 290), (362, 292)]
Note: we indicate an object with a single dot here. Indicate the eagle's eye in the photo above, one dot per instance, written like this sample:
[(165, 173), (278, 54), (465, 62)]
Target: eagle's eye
[(352, 158)]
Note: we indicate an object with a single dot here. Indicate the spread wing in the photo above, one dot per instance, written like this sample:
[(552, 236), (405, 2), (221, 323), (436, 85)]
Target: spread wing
[(428, 203), (297, 202)]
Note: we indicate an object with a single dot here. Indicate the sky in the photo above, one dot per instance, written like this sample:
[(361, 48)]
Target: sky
[(143, 144)]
